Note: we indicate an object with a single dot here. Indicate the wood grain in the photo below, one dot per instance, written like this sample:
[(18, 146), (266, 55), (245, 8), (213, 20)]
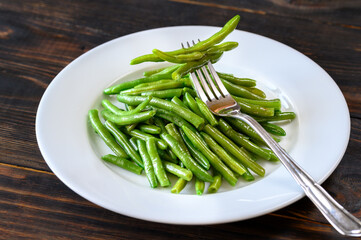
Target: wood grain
[(38, 38)]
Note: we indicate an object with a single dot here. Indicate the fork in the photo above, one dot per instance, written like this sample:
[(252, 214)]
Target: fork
[(220, 102)]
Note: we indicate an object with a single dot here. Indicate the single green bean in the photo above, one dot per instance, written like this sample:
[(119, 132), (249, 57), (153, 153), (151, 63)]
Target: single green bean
[(223, 155), (231, 147), (248, 175), (188, 115), (179, 186), (245, 128), (123, 120), (153, 71), (278, 116), (105, 134), (179, 102), (223, 47), (246, 82), (186, 159), (133, 142), (212, 158), (123, 163), (243, 141), (151, 129), (206, 113), (199, 186), (124, 142), (142, 85), (191, 91), (256, 91), (256, 110), (157, 163), (148, 165), (144, 136), (178, 171), (173, 131), (274, 129), (272, 103), (238, 90), (111, 107), (166, 157), (131, 127), (163, 86), (168, 93), (216, 184), (166, 73), (183, 58), (192, 103)]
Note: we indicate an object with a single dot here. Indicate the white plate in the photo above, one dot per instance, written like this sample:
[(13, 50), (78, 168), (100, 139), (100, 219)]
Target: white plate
[(317, 139)]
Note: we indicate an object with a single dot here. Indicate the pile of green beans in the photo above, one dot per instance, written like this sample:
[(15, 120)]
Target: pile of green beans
[(167, 131)]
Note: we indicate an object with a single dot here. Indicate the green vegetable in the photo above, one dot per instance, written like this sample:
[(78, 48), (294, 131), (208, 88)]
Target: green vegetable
[(157, 163), (179, 186), (148, 165), (127, 119), (178, 171), (123, 163)]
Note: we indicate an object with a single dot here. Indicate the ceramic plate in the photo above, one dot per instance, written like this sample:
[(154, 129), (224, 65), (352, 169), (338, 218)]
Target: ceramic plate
[(72, 150)]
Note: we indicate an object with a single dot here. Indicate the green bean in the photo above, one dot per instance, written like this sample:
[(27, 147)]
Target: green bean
[(131, 127), (179, 186), (238, 90), (191, 66), (178, 58), (196, 154), (231, 147), (123, 120), (256, 91), (157, 163), (248, 175), (142, 85), (105, 134), (223, 47), (148, 165), (246, 82), (186, 159), (166, 156), (173, 131), (274, 129), (188, 115), (278, 116), (111, 107), (256, 110), (273, 103), (144, 136), (166, 73), (151, 129), (245, 128), (153, 71), (206, 113), (216, 184), (163, 86), (133, 142), (191, 91), (179, 102), (168, 93), (243, 141), (200, 46), (123, 163), (192, 104), (124, 142), (199, 186), (212, 158), (178, 171), (223, 155)]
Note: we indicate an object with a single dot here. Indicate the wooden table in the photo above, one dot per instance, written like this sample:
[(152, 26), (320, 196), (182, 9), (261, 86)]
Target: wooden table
[(38, 38)]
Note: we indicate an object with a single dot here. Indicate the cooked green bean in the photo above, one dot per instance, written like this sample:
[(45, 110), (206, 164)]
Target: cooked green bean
[(238, 90), (198, 47), (105, 134), (191, 91), (133, 142), (245, 128), (223, 155), (279, 116), (274, 129), (206, 113), (124, 142), (148, 165), (243, 141), (212, 158), (144, 136), (246, 82), (131, 127), (151, 129), (163, 86), (188, 115), (123, 120), (153, 71), (231, 147), (199, 186), (223, 47), (178, 58), (186, 159), (123, 163), (273, 103), (192, 104), (256, 110), (166, 73), (178, 171), (173, 131), (142, 85), (157, 163), (179, 102), (168, 93), (112, 108), (256, 91), (216, 184), (179, 186)]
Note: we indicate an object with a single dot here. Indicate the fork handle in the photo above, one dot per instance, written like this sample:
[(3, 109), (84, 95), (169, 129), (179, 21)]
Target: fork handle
[(340, 218)]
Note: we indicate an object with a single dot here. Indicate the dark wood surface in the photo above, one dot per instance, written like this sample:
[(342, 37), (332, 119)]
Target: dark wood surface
[(38, 38)]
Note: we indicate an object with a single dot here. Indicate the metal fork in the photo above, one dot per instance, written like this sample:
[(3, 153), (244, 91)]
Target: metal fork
[(221, 103)]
